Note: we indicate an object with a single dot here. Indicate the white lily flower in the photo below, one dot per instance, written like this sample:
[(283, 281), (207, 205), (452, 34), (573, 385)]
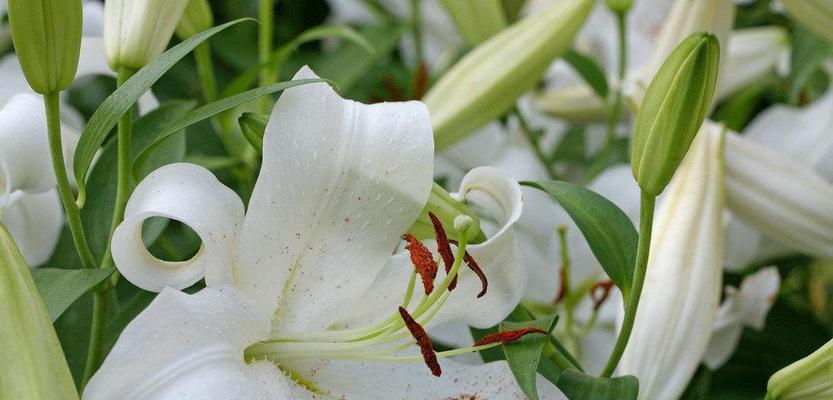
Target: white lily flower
[(682, 284), (747, 306), (300, 287), (137, 31)]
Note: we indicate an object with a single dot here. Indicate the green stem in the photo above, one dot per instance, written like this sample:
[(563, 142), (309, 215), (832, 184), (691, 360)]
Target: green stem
[(95, 351), (265, 35), (536, 145), (600, 162), (416, 27), (52, 103), (646, 221), (205, 70)]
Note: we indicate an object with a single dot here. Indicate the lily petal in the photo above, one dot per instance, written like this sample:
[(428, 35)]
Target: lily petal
[(192, 195), (786, 201), (25, 161), (682, 285), (191, 347), (340, 182), (35, 222), (745, 307), (753, 52)]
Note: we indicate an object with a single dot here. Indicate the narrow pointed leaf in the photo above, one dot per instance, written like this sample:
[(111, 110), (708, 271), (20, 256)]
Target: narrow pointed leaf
[(579, 386), (589, 70), (59, 288), (607, 229)]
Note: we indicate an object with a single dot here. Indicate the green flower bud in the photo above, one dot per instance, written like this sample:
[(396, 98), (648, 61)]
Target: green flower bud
[(674, 107), (197, 18), (487, 82), (34, 364), (619, 6), (815, 14), (47, 38), (253, 126), (446, 208), (476, 20), (808, 378)]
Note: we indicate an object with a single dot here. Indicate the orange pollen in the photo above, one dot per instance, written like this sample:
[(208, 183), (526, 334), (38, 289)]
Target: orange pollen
[(508, 336), (484, 283), (422, 341), (423, 261), (443, 247), (604, 287)]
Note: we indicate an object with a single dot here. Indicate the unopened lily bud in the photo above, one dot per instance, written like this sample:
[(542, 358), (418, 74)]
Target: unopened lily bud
[(35, 364), (447, 209), (488, 81), (808, 378), (814, 14), (137, 31), (47, 39), (578, 104), (253, 126), (619, 6), (196, 18), (673, 110), (476, 20)]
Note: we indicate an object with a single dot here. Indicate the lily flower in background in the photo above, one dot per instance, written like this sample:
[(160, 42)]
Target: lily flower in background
[(683, 278), (304, 296), (137, 31)]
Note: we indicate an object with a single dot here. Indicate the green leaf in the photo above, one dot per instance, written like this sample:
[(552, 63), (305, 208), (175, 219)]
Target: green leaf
[(579, 386), (351, 62), (589, 70), (59, 288), (524, 355), (607, 229), (103, 178), (808, 55), (208, 111), (108, 114)]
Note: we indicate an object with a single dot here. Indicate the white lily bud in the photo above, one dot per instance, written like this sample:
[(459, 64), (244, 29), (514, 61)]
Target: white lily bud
[(685, 18), (815, 14), (786, 201), (476, 20), (137, 31), (25, 163), (808, 378), (682, 286), (579, 104)]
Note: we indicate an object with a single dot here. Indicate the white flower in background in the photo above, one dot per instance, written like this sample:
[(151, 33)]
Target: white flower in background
[(303, 291), (747, 306), (137, 31)]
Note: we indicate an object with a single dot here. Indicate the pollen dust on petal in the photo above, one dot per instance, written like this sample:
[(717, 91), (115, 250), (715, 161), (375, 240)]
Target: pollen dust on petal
[(443, 247), (506, 337), (423, 261), (484, 283), (423, 341)]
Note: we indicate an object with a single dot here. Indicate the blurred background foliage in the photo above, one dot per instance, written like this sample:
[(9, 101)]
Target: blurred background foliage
[(800, 321)]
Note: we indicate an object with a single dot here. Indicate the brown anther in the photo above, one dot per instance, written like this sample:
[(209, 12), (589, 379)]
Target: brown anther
[(605, 287), (420, 80), (394, 92), (562, 286), (443, 247), (423, 261), (508, 336), (422, 341), (484, 283)]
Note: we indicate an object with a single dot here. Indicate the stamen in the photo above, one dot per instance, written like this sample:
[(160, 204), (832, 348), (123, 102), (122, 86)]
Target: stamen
[(443, 247), (605, 286), (422, 341), (420, 81), (423, 261), (508, 336), (562, 286), (484, 283)]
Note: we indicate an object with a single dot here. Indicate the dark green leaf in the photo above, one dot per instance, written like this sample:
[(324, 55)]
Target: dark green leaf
[(524, 355), (607, 229), (59, 288), (106, 117), (809, 53), (208, 111), (351, 62), (579, 386), (591, 72)]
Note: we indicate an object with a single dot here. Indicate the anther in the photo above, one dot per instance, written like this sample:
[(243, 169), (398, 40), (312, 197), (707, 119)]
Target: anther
[(443, 247), (423, 341), (599, 299), (484, 283), (506, 337), (423, 261)]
